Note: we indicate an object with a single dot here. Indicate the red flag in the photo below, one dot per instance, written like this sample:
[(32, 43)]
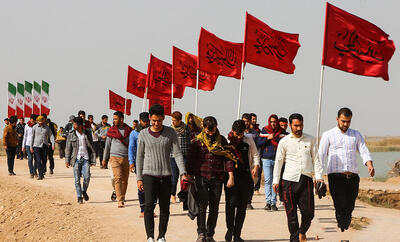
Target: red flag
[(165, 103), (269, 48), (136, 83), (160, 78), (355, 45), (219, 56), (117, 103), (184, 69)]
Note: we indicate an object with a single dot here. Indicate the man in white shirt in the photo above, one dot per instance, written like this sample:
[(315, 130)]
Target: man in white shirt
[(79, 154), (299, 152), (339, 147)]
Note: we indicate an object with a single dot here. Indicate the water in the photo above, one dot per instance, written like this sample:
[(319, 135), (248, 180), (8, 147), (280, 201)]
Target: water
[(383, 163)]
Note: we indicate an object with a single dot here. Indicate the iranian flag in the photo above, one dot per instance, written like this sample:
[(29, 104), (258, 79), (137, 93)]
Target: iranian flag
[(20, 100), (45, 105), (37, 89), (28, 99), (12, 91)]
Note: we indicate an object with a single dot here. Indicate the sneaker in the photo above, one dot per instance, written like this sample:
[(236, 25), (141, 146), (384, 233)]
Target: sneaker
[(274, 208), (40, 178), (51, 172), (228, 235), (150, 239), (161, 240), (113, 196), (249, 206), (85, 196), (13, 174), (201, 238), (267, 207), (80, 200)]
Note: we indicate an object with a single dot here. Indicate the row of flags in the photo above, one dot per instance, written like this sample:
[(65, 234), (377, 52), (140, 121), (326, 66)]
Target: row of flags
[(351, 44), (28, 98)]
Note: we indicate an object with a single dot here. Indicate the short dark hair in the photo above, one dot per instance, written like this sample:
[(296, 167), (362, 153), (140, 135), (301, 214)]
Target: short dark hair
[(90, 116), (345, 111), (81, 112), (144, 116), (282, 119), (22, 118), (295, 116), (246, 116), (119, 114), (104, 116), (177, 115), (13, 119), (6, 119), (33, 116), (44, 115), (135, 121), (238, 126), (156, 109), (78, 121), (210, 123), (253, 115)]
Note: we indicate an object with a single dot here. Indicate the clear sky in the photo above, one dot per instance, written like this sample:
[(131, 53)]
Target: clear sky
[(83, 48)]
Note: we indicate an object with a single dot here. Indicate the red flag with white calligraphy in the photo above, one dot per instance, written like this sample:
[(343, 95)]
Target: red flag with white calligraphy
[(218, 56), (184, 71), (117, 103), (136, 83), (269, 48), (355, 45), (165, 103), (160, 79)]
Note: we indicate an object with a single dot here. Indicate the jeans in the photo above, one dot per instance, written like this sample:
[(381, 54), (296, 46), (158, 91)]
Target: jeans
[(268, 167), (141, 200), (81, 168), (344, 191), (156, 187), (11, 151), (175, 175), (50, 157), (208, 195), (40, 159), (32, 167)]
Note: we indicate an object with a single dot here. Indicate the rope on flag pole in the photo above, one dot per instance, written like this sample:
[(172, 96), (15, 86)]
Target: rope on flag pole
[(320, 103), (240, 92)]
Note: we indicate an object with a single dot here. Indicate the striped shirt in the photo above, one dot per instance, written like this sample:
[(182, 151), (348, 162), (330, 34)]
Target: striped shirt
[(339, 149)]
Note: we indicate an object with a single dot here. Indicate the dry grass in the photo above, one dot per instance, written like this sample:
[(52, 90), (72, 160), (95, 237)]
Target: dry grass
[(383, 144)]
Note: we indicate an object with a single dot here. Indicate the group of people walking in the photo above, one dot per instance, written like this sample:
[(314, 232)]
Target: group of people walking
[(205, 162)]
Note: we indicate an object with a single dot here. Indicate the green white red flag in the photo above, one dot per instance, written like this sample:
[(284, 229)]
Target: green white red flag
[(45, 104), (28, 101), (20, 100), (37, 90), (12, 92)]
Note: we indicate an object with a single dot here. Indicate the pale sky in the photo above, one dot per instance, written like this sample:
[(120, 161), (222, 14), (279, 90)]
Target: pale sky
[(83, 49)]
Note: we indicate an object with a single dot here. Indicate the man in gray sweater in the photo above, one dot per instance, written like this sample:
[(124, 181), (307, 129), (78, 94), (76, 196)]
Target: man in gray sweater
[(116, 151), (153, 169)]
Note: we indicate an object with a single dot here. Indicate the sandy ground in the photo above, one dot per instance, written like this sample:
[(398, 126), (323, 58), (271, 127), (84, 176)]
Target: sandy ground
[(32, 210)]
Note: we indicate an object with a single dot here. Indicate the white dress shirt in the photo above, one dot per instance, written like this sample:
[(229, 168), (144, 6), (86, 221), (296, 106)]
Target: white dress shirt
[(301, 158), (82, 150), (27, 136), (340, 150)]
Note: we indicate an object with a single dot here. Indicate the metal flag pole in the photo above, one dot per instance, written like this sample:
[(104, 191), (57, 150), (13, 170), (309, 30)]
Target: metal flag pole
[(197, 93), (172, 96), (240, 92), (320, 102)]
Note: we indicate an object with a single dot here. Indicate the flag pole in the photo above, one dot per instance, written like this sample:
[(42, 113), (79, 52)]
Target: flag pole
[(197, 93), (172, 96), (144, 100), (240, 92), (320, 103)]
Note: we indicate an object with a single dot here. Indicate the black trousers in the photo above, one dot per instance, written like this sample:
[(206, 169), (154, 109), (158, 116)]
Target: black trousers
[(258, 183), (156, 188), (208, 195), (40, 159), (298, 194), (96, 147), (344, 191), (19, 153), (236, 199), (11, 151), (102, 145), (61, 148), (50, 157)]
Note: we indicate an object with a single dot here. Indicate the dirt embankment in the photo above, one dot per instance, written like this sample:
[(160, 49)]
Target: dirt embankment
[(29, 213)]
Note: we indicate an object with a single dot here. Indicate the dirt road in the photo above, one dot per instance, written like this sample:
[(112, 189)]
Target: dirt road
[(32, 210)]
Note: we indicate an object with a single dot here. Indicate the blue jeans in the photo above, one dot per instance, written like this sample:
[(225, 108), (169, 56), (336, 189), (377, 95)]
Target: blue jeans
[(268, 167), (81, 168), (32, 167)]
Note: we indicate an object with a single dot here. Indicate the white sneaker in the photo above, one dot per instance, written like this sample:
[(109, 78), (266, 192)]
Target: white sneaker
[(150, 239), (161, 240)]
